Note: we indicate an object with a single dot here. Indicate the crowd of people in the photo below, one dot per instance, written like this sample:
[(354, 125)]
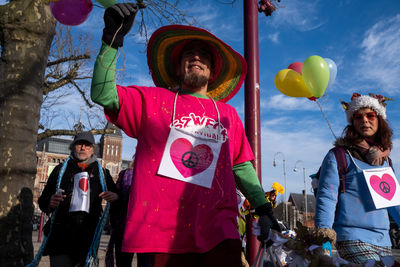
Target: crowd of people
[(176, 205)]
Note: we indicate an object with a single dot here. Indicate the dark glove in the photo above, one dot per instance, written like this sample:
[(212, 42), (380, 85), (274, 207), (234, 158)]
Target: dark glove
[(266, 221), (114, 17), (265, 225)]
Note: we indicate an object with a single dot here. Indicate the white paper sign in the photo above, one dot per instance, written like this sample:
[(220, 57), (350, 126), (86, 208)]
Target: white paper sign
[(383, 186), (189, 159), (81, 194)]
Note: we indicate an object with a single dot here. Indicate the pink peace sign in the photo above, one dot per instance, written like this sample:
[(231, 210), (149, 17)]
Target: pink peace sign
[(190, 160), (385, 186)]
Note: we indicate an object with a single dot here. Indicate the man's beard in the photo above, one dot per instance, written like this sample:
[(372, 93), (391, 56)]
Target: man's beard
[(193, 80)]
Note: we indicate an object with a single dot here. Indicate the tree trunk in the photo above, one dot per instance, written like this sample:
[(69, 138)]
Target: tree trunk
[(26, 31)]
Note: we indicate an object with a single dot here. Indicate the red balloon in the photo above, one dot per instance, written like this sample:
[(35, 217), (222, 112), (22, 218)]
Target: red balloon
[(296, 66), (71, 12)]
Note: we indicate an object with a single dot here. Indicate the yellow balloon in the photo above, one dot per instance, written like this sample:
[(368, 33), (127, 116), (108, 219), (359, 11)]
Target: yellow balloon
[(291, 83)]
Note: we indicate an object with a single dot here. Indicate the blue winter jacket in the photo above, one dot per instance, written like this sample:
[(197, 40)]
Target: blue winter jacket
[(352, 213)]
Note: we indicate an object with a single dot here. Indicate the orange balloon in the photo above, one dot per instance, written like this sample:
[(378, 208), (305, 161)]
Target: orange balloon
[(291, 83)]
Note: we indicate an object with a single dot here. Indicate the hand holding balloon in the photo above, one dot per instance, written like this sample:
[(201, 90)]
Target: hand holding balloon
[(118, 20)]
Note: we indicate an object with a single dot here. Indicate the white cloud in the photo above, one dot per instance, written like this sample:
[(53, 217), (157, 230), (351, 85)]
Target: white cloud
[(282, 102), (208, 16), (274, 37), (292, 13), (276, 121), (380, 56), (308, 146)]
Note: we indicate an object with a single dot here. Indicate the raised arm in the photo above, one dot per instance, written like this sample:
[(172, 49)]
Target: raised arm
[(118, 20)]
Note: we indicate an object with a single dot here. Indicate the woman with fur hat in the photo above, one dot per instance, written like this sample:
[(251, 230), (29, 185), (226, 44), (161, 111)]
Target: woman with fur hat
[(349, 207)]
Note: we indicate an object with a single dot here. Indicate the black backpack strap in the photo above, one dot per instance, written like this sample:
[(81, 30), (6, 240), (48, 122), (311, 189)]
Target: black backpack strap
[(340, 155), (390, 163)]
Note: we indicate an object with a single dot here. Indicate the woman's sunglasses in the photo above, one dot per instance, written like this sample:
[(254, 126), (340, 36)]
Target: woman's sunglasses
[(360, 116)]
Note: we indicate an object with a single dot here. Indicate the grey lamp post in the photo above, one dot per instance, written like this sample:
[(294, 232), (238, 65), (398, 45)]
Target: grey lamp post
[(284, 177), (305, 186)]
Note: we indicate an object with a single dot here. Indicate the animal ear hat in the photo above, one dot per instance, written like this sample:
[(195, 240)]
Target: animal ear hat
[(163, 54), (374, 102)]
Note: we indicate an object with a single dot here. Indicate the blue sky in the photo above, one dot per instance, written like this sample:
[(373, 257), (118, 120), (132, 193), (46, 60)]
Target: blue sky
[(361, 36)]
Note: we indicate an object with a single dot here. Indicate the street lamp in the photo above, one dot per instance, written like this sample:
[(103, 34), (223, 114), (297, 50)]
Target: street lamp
[(305, 186), (284, 177)]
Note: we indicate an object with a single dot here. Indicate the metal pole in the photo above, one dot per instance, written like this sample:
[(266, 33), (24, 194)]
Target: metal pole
[(252, 105), (305, 188), (305, 193), (284, 177), (286, 218)]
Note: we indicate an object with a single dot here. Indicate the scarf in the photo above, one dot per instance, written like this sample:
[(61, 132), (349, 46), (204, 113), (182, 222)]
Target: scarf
[(83, 164), (373, 154)]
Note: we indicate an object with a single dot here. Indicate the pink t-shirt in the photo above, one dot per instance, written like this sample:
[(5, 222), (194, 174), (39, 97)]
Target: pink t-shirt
[(167, 215)]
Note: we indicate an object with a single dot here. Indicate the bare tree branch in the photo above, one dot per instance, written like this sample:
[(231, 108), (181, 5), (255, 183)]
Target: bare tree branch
[(48, 132), (70, 75), (71, 58), (69, 65), (82, 94)]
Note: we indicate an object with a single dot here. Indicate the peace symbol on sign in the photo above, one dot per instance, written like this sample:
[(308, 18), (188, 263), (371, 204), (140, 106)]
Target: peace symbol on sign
[(190, 159), (385, 187)]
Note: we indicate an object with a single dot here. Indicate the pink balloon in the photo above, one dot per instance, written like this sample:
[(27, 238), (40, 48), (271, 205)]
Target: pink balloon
[(71, 12), (296, 66)]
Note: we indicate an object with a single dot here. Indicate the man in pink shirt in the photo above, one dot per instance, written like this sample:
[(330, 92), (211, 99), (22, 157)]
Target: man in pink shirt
[(192, 151)]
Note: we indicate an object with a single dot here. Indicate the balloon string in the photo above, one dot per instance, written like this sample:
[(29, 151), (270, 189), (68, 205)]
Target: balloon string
[(119, 51), (323, 115)]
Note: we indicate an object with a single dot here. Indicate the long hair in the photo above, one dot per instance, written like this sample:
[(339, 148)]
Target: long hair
[(383, 136)]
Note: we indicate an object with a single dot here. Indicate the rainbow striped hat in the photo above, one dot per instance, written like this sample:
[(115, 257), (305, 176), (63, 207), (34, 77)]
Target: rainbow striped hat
[(165, 46)]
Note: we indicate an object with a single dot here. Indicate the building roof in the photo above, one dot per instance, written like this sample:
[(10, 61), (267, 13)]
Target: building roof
[(299, 203), (54, 145), (117, 131)]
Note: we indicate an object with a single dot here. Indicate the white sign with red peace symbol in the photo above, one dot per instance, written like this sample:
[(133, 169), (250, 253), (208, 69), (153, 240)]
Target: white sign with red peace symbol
[(189, 159), (81, 194), (383, 186)]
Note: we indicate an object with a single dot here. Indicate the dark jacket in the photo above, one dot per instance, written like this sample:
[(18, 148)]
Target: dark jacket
[(72, 232), (119, 209)]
